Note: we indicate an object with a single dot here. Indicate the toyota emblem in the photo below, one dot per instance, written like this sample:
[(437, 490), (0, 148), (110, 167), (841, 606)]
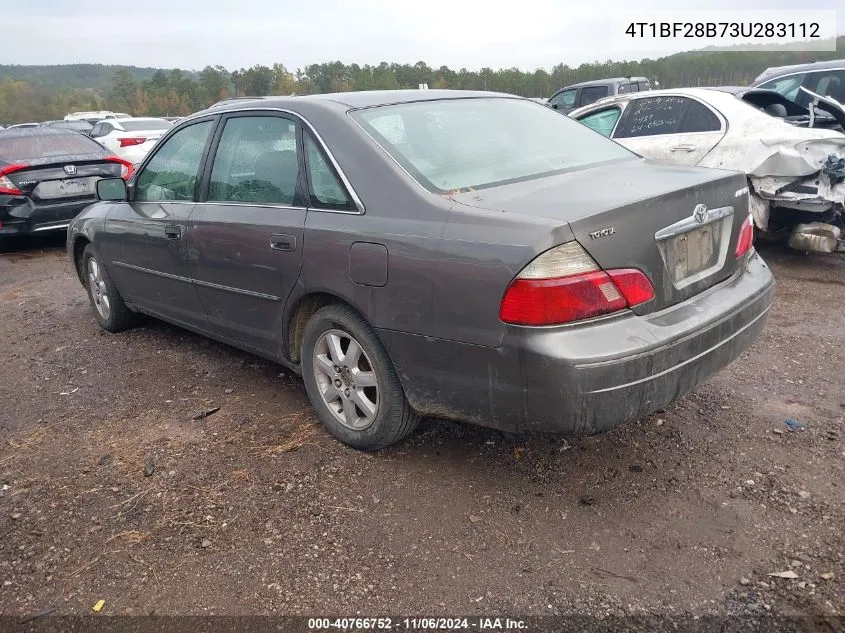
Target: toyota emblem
[(700, 213)]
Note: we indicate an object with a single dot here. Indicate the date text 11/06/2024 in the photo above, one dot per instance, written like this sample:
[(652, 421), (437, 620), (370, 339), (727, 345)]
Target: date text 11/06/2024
[(417, 624)]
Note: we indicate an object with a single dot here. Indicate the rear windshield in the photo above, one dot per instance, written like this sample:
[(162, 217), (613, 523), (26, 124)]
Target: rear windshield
[(82, 126), (458, 144), (146, 124), (35, 146)]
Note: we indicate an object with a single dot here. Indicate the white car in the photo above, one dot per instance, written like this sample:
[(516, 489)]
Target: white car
[(796, 174), (130, 138)]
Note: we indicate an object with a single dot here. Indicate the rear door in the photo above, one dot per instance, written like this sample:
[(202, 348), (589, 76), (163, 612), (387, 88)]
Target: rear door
[(246, 237), (678, 129), (146, 238)]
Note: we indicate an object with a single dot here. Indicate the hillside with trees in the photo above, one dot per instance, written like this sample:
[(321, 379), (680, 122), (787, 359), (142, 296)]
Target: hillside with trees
[(36, 93)]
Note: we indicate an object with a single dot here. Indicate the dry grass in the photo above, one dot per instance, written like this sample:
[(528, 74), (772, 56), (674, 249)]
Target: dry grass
[(297, 439), (130, 536)]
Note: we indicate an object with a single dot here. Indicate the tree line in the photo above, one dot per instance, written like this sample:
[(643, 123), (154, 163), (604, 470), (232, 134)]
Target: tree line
[(177, 92)]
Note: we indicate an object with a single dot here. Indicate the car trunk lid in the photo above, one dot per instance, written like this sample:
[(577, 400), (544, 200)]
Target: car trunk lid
[(679, 225), (64, 177)]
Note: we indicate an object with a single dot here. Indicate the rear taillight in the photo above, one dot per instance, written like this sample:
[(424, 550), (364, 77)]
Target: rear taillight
[(564, 284), (126, 168), (6, 185), (746, 237), (128, 141)]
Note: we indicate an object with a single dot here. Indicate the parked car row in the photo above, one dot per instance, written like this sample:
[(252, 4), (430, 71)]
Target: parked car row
[(466, 255), (129, 137), (785, 132), (473, 256)]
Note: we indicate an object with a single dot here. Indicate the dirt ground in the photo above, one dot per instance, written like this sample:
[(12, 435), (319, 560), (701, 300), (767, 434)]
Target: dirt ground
[(115, 488)]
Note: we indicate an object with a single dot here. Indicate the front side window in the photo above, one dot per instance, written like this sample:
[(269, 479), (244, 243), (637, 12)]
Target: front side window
[(256, 161), (171, 174), (788, 87), (458, 144), (327, 191), (565, 99), (591, 94), (602, 121), (652, 116)]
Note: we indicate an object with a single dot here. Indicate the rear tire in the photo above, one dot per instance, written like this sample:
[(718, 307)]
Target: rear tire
[(109, 309), (351, 381)]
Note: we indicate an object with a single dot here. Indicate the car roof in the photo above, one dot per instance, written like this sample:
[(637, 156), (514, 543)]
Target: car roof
[(777, 71), (41, 130), (720, 99), (602, 82), (358, 99)]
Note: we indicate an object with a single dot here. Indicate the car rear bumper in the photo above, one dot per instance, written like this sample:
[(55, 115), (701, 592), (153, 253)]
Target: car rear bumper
[(22, 219), (588, 377)]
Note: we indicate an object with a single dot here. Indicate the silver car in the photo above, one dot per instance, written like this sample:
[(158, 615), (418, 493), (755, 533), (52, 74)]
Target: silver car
[(464, 255)]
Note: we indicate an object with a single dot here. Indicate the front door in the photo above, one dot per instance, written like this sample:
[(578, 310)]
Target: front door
[(147, 237), (246, 236)]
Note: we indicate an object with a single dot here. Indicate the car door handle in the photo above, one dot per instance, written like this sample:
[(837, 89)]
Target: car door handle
[(683, 148), (283, 242), (172, 231)]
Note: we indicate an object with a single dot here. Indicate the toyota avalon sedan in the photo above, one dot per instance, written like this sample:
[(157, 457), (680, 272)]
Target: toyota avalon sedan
[(465, 255)]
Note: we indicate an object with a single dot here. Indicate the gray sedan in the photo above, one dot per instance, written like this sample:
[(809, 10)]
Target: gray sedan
[(465, 255)]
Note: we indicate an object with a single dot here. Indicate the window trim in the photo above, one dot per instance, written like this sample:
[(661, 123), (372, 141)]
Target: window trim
[(723, 121), (361, 209), (205, 177), (131, 185)]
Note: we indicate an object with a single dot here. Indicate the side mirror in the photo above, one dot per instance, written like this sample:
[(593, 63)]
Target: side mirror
[(554, 106), (111, 189)]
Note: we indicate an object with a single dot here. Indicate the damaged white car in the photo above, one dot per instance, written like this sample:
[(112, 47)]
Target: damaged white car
[(794, 157)]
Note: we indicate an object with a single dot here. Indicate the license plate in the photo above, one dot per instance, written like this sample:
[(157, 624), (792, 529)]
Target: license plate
[(690, 253), (65, 188)]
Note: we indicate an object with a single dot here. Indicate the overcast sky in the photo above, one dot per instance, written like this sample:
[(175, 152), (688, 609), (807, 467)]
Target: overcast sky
[(239, 33)]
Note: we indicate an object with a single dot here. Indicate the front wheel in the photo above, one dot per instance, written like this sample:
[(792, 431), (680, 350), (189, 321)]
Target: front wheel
[(112, 314), (351, 381)]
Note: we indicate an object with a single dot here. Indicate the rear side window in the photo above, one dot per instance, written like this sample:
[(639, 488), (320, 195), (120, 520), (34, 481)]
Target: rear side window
[(652, 116), (327, 192), (602, 121), (35, 146), (699, 118), (591, 94), (256, 161), (146, 124), (171, 174), (623, 88)]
